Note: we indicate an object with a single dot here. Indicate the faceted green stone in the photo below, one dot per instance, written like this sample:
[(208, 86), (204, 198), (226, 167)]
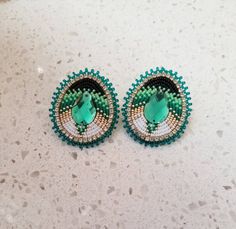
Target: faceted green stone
[(84, 111), (156, 109)]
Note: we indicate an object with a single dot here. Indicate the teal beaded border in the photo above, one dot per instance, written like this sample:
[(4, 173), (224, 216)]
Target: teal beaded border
[(64, 83), (186, 93)]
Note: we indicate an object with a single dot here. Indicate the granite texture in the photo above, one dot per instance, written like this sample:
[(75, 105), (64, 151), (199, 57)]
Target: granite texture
[(46, 184)]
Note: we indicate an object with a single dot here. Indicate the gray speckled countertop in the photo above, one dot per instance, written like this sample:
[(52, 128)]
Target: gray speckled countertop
[(46, 184)]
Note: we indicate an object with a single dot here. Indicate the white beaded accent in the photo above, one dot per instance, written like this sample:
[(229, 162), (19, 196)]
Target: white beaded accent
[(92, 130), (71, 128), (162, 129)]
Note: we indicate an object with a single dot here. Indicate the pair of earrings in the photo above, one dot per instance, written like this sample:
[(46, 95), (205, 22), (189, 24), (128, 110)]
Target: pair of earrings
[(84, 108)]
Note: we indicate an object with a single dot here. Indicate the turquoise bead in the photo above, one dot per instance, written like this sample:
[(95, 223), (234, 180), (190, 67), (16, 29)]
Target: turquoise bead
[(156, 109), (84, 111)]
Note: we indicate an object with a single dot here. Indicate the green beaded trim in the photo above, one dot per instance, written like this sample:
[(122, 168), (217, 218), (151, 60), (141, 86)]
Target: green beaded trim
[(144, 94), (69, 99), (71, 96)]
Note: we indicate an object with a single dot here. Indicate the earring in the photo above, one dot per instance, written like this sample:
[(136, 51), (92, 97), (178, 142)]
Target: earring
[(84, 109), (157, 107)]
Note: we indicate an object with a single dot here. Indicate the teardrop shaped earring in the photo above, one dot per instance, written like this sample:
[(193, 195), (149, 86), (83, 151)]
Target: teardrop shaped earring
[(157, 107), (84, 109)]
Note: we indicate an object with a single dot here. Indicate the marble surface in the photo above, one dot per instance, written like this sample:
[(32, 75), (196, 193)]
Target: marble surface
[(120, 184)]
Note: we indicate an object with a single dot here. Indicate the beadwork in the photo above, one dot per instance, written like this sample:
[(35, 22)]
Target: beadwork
[(84, 109), (157, 107)]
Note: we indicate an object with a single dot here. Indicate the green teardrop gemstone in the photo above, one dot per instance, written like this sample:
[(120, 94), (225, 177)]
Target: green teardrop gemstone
[(84, 111), (156, 109)]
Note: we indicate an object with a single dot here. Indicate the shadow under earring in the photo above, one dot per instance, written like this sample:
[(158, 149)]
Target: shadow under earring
[(84, 109), (157, 107)]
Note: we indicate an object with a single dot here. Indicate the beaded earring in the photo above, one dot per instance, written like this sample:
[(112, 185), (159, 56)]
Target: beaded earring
[(84, 109), (157, 107)]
